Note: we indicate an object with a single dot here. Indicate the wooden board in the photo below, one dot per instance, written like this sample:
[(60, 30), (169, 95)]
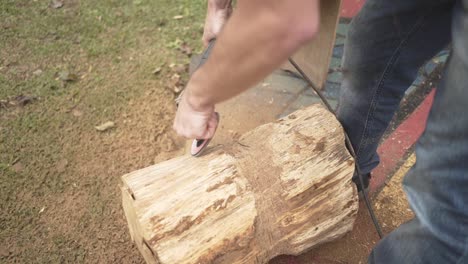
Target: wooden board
[(282, 188), (314, 58)]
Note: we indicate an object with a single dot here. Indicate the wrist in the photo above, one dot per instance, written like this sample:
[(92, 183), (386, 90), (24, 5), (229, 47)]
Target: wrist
[(196, 99)]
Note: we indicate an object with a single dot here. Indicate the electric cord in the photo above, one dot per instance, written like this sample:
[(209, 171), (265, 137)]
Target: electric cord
[(348, 143)]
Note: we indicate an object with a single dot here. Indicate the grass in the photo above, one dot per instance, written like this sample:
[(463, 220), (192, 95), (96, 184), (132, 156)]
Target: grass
[(112, 46)]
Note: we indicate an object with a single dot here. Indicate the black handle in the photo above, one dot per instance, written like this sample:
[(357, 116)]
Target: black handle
[(206, 53)]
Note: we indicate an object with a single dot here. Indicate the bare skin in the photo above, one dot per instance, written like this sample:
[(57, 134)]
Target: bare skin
[(218, 12), (258, 37)]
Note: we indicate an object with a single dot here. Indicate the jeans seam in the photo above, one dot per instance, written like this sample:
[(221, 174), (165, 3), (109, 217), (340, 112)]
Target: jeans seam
[(389, 66)]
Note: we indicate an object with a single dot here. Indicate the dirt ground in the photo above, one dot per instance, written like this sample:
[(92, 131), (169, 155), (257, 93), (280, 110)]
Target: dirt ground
[(69, 66), (65, 68)]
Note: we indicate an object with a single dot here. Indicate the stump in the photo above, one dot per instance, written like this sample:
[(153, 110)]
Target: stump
[(282, 188)]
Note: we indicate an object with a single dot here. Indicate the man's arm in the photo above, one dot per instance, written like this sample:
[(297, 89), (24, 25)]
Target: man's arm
[(259, 36)]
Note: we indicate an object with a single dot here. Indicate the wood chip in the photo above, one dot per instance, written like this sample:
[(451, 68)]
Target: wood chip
[(105, 126)]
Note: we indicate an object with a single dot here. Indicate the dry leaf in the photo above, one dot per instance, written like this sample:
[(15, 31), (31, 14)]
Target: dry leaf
[(186, 49), (56, 4), (105, 126), (175, 83), (178, 17), (37, 72), (180, 68), (177, 89), (77, 113), (157, 70), (175, 79), (67, 76), (22, 100)]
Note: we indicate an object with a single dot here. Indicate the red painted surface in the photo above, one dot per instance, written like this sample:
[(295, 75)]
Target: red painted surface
[(349, 8), (392, 150)]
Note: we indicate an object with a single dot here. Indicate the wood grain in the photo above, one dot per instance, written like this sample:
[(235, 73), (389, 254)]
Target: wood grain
[(282, 188)]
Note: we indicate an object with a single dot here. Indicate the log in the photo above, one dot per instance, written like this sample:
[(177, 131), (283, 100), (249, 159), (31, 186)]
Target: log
[(282, 188)]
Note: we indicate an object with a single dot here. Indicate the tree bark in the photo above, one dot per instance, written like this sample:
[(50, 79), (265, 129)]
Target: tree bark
[(282, 188)]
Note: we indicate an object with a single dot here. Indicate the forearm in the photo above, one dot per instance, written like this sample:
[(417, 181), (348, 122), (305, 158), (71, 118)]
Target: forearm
[(256, 40)]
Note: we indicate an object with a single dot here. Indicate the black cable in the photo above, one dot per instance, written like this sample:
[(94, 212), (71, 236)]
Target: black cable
[(348, 143)]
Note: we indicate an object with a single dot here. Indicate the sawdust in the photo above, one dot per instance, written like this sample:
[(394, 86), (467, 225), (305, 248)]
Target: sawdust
[(391, 205)]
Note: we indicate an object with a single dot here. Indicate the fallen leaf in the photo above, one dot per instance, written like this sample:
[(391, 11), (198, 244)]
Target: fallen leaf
[(105, 126), (162, 22), (175, 79), (22, 100), (56, 4), (186, 49), (157, 70), (177, 89), (37, 72), (175, 83), (77, 113), (4, 103), (180, 69), (178, 17), (67, 76)]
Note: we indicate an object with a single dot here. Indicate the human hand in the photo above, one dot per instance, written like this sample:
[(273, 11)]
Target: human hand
[(218, 13), (194, 122)]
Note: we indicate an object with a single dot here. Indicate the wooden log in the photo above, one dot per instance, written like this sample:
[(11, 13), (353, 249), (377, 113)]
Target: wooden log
[(282, 188)]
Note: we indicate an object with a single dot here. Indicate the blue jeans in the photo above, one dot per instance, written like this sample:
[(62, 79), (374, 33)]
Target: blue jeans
[(387, 43)]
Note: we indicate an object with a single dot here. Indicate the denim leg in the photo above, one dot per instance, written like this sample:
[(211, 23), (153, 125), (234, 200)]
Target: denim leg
[(437, 185), (388, 41)]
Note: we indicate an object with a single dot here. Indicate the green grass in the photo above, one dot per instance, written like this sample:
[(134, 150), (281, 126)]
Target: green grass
[(113, 46)]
